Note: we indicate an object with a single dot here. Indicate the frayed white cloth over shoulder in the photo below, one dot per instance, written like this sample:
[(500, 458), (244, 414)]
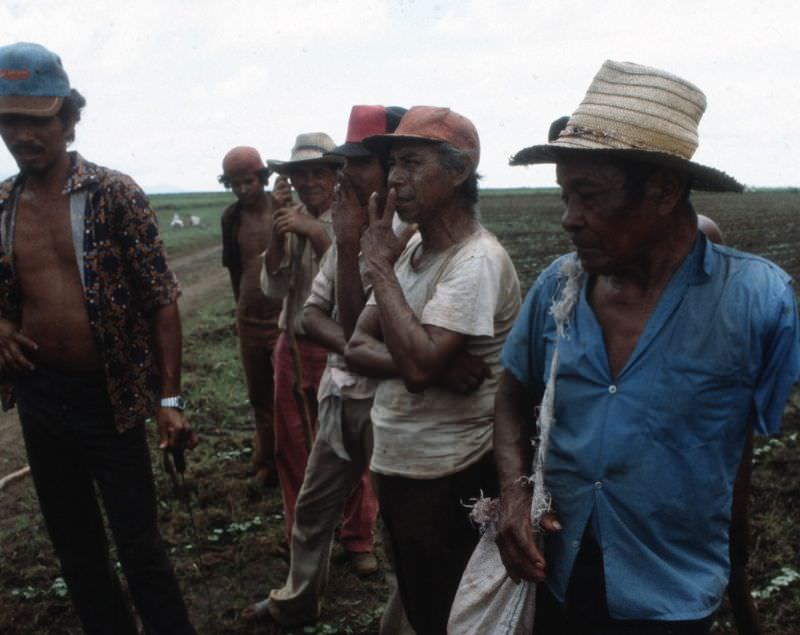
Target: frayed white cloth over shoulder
[(488, 602)]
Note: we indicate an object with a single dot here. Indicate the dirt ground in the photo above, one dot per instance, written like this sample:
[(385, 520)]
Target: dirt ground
[(229, 551)]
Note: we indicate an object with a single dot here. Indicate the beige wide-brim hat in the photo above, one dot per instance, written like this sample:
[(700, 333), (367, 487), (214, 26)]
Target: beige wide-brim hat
[(309, 147), (639, 113)]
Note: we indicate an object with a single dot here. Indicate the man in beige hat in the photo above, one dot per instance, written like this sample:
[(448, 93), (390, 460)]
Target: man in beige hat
[(302, 234), (655, 350), (444, 302), (246, 231)]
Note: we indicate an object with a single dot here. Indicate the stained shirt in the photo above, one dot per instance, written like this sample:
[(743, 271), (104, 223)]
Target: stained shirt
[(296, 272), (124, 274), (470, 288), (650, 458)]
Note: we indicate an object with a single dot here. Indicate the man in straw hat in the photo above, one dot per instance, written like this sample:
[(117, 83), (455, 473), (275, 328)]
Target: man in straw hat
[(442, 304), (246, 231), (672, 348), (339, 459), (90, 336), (302, 234)]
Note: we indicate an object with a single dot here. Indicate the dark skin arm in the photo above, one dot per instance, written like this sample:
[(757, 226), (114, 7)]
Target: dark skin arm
[(281, 197), (323, 330), (292, 220), (174, 430), (420, 352), (15, 348), (349, 220), (515, 539), (365, 352), (234, 285)]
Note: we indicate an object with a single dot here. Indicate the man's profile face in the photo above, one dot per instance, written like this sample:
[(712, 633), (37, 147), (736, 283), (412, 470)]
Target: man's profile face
[(423, 185), (366, 175), (36, 143), (314, 184), (246, 187), (609, 231)]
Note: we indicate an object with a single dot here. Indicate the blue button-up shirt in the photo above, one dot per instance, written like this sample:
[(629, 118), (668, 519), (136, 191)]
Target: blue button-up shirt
[(650, 457)]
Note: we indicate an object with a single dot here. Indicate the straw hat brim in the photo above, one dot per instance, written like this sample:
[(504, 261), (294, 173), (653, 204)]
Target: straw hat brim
[(704, 178), (284, 167)]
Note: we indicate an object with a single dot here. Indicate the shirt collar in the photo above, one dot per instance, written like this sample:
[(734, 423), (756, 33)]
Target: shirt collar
[(701, 259), (82, 174)]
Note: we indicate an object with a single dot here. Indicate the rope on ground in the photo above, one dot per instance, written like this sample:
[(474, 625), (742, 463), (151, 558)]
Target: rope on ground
[(14, 476)]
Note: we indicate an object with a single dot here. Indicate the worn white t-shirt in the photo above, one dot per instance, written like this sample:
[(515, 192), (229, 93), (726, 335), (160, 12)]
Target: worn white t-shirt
[(471, 288)]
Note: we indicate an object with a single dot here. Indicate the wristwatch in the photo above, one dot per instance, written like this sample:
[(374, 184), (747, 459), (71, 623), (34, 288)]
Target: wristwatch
[(177, 402)]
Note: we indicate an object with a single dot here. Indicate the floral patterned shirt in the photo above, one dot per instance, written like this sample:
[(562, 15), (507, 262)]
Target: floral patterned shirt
[(125, 279)]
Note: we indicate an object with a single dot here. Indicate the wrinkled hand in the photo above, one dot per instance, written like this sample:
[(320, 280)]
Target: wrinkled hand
[(515, 538), (292, 220), (465, 374), (174, 430), (282, 192), (349, 217), (14, 349), (380, 245)]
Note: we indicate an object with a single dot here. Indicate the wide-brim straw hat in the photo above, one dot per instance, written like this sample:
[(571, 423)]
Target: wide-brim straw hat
[(309, 147), (636, 113)]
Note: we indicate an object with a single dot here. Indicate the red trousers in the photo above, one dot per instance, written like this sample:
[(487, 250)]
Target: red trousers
[(291, 454)]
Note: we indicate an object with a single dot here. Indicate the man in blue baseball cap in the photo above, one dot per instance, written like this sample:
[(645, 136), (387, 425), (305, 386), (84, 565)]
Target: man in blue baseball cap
[(90, 338)]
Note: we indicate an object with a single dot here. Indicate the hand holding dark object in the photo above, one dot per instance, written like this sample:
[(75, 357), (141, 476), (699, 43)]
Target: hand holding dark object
[(291, 220), (349, 218), (465, 374), (282, 192), (174, 430), (14, 346), (380, 245)]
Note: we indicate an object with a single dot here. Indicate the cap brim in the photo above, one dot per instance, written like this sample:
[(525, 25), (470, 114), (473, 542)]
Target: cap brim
[(284, 167), (380, 144), (30, 105), (703, 177), (350, 150)]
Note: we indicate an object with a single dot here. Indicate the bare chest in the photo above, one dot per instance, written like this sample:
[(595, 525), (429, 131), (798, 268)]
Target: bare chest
[(43, 239), (622, 324), (255, 230)]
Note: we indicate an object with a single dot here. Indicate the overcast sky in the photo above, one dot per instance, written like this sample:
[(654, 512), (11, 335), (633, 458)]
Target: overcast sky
[(172, 85)]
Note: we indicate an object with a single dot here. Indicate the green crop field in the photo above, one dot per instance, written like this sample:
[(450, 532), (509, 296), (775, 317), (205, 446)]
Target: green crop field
[(227, 553)]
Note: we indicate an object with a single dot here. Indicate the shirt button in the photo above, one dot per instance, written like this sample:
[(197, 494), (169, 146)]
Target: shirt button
[(598, 485), (612, 389)]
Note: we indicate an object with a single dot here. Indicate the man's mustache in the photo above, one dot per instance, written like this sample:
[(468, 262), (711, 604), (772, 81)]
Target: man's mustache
[(26, 148)]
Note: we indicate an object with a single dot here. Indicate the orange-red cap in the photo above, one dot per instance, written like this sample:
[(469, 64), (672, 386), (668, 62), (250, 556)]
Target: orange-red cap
[(429, 123), (242, 160)]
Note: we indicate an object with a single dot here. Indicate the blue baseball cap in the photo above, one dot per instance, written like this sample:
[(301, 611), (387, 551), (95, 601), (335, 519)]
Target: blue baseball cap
[(32, 80)]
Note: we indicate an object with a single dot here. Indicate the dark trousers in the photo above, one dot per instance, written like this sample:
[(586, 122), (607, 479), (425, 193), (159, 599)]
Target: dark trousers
[(72, 445), (585, 611), (432, 538)]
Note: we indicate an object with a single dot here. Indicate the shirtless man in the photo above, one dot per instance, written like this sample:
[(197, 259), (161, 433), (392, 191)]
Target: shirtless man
[(90, 336), (246, 231)]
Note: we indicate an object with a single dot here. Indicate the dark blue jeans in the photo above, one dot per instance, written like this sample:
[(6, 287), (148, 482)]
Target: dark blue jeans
[(72, 445)]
